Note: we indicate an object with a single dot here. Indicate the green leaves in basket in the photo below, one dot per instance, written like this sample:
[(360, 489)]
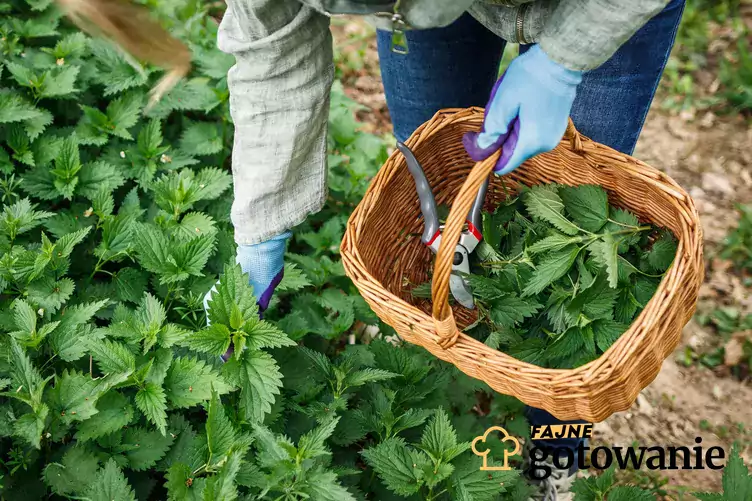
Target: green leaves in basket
[(563, 274)]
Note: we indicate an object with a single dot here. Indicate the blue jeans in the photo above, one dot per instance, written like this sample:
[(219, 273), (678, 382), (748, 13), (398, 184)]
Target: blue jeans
[(456, 67)]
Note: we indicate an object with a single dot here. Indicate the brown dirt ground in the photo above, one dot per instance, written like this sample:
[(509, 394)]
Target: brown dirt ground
[(711, 157)]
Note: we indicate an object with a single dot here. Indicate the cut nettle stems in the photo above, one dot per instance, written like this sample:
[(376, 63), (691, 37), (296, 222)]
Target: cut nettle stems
[(561, 274)]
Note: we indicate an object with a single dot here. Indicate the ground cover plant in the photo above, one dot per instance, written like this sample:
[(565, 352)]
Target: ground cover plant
[(730, 350), (114, 223), (710, 65)]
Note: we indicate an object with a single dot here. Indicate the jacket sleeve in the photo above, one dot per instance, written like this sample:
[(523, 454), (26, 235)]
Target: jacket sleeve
[(583, 34), (279, 101)]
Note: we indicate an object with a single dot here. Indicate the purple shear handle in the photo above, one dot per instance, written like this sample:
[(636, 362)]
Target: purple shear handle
[(263, 303), (507, 140)]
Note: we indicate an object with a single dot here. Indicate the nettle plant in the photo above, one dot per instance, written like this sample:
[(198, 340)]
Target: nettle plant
[(114, 224)]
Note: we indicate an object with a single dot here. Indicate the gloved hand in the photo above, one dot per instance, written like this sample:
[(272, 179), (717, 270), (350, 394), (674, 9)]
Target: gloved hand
[(527, 112), (264, 264)]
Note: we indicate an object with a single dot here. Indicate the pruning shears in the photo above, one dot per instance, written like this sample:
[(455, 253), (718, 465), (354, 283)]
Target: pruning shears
[(469, 238)]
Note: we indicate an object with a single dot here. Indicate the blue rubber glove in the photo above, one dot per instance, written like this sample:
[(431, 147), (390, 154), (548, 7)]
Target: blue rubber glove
[(527, 112), (264, 264)]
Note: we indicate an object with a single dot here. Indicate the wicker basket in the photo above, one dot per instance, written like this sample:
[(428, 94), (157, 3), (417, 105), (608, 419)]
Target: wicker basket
[(382, 254)]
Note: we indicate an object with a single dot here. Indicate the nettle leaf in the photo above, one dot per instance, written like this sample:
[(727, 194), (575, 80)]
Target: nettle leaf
[(477, 485), (74, 395), (621, 220), (485, 288), (626, 306), (70, 46), (181, 486), (544, 203), (399, 466), (112, 357), (222, 485), (323, 485), (21, 217), (261, 334), (67, 165), (607, 332), (15, 108), (190, 381), (566, 345), (439, 439), (121, 114), (510, 310), (130, 284), (257, 375), (77, 468), (24, 316), (293, 279), (113, 71), (662, 253), (232, 292), (192, 94), (188, 259), (114, 412), (51, 294), (554, 242), (202, 138), (151, 400), (96, 177), (176, 192), (193, 225), (143, 448), (606, 253), (220, 434), (587, 204), (59, 82), (367, 375), (319, 361), (117, 239), (152, 247), (34, 127), (313, 443), (212, 63), (110, 485), (630, 493), (25, 378), (644, 289), (215, 340), (551, 268)]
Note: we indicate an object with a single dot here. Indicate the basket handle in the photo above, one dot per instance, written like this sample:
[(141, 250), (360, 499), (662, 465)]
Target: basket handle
[(443, 318)]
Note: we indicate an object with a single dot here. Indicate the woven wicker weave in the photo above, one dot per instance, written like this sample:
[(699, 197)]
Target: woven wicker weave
[(382, 254)]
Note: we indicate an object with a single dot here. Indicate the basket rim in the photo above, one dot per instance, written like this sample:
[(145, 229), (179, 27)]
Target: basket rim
[(599, 370)]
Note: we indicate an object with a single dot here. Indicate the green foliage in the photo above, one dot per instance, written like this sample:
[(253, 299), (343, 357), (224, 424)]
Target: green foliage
[(603, 487), (729, 63), (115, 223), (738, 244), (737, 481), (562, 274)]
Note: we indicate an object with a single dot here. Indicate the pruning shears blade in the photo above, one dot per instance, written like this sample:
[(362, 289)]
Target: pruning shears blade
[(460, 291)]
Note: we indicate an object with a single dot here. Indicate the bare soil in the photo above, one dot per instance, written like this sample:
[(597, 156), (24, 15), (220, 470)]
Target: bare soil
[(710, 156)]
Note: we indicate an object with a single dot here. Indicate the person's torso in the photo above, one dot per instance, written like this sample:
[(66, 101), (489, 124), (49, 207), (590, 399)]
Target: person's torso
[(513, 20)]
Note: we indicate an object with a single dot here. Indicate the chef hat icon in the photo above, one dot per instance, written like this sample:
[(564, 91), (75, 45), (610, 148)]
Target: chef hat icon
[(507, 453)]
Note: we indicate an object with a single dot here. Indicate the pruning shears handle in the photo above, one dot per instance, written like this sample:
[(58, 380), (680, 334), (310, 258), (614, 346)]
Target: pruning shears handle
[(425, 195), (469, 238), (428, 204)]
